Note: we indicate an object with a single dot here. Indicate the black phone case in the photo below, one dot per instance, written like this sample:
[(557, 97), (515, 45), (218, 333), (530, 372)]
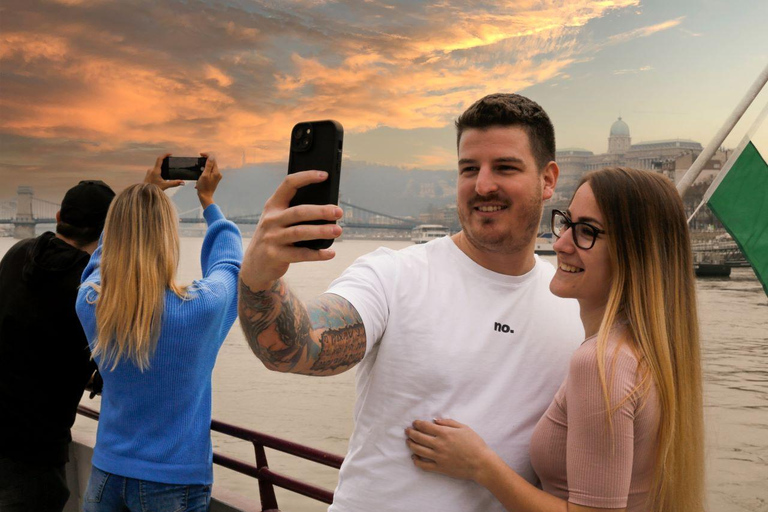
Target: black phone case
[(322, 154), (182, 167)]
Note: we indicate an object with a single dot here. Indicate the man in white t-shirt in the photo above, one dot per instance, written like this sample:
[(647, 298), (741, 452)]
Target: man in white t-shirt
[(463, 327)]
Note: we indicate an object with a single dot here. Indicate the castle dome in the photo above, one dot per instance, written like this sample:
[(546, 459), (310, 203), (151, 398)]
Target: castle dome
[(620, 128)]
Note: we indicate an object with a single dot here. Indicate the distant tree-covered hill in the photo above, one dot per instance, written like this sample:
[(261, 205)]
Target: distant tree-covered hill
[(384, 189)]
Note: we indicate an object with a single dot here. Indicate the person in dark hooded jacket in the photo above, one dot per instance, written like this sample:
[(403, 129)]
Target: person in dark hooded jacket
[(45, 362)]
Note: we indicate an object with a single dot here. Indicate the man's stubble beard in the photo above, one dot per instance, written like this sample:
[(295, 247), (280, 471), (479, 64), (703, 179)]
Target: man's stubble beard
[(509, 242)]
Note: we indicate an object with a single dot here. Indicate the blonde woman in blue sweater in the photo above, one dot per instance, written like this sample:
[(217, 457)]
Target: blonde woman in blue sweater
[(155, 343)]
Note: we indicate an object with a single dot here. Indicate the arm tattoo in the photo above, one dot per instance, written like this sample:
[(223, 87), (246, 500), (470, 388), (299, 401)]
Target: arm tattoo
[(325, 337), (342, 338)]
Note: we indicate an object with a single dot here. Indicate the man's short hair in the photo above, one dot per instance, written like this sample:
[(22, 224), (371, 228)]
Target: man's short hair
[(503, 109), (84, 210), (81, 236)]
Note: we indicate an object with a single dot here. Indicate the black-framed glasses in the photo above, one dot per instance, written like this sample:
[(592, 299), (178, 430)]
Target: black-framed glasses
[(584, 234)]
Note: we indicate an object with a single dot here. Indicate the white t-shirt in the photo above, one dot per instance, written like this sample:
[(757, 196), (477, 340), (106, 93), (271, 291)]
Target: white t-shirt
[(447, 338)]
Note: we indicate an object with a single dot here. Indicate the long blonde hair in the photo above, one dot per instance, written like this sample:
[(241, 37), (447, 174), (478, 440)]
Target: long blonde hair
[(653, 287), (140, 255)]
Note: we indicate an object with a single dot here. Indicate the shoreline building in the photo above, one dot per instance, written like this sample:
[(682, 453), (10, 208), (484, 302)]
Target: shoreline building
[(672, 157)]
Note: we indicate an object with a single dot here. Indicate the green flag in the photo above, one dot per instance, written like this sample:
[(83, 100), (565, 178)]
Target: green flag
[(739, 198)]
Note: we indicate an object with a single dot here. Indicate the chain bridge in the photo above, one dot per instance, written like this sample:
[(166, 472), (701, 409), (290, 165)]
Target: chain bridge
[(355, 217), (25, 212)]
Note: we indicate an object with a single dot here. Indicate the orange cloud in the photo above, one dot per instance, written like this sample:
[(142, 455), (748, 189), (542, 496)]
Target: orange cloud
[(119, 100), (646, 31), (434, 158), (213, 73), (31, 47)]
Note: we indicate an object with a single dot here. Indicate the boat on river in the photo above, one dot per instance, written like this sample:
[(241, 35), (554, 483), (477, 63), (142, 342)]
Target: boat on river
[(710, 264), (544, 245), (428, 232), (716, 257)]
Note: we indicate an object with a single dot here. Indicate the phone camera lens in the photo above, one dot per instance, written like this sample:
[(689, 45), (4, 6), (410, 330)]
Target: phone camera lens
[(297, 133)]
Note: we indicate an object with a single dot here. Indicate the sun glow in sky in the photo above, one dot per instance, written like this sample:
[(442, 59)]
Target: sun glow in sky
[(99, 87)]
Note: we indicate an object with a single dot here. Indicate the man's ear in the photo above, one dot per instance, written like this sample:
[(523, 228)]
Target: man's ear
[(58, 216), (549, 179)]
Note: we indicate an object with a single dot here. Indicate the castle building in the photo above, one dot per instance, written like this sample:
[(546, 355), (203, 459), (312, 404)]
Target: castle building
[(671, 157)]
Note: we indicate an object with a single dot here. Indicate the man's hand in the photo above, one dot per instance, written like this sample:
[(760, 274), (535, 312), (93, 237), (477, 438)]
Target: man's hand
[(153, 175), (208, 181), (271, 250)]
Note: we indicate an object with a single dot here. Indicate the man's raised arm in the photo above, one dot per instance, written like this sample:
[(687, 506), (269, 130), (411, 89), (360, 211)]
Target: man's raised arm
[(323, 337)]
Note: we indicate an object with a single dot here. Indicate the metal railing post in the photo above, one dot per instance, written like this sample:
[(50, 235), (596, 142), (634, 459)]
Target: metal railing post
[(266, 489)]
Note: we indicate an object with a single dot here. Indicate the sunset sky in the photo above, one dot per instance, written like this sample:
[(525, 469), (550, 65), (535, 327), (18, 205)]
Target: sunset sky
[(98, 88)]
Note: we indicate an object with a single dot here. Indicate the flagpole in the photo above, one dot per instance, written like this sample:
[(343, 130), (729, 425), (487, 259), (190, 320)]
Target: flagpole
[(727, 167), (709, 151)]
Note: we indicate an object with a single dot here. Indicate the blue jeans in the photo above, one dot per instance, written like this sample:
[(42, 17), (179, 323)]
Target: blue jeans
[(113, 493)]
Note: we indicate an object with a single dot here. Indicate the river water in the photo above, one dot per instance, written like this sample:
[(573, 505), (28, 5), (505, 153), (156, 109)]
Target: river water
[(318, 411)]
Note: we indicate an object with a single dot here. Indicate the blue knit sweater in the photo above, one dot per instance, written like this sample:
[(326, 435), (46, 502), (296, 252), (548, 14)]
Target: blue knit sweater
[(155, 425)]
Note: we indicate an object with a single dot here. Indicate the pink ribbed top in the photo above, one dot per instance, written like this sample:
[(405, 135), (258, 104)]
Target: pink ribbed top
[(572, 449)]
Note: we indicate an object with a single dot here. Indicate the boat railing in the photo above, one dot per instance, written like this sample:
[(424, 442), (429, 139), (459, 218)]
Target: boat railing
[(266, 478)]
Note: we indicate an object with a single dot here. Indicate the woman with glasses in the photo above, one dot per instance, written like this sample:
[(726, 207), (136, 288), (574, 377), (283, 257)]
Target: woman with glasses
[(625, 430), (156, 343)]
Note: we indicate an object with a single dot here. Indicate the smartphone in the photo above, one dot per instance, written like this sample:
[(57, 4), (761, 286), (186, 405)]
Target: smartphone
[(182, 167), (317, 145)]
